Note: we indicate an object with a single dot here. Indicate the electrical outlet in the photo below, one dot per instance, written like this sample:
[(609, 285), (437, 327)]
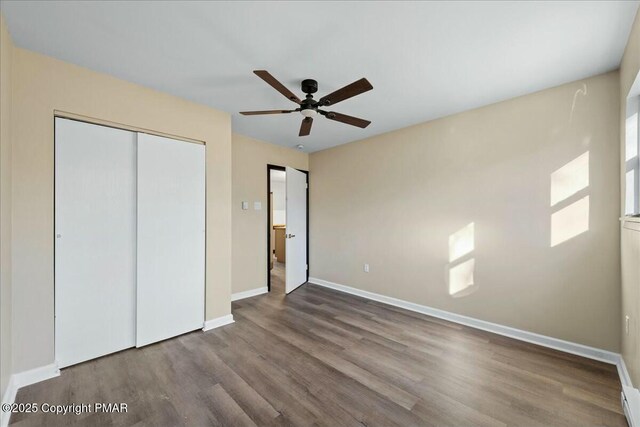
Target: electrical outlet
[(626, 325), (366, 268)]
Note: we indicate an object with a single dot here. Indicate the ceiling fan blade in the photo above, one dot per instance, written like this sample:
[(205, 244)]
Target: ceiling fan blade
[(264, 75), (305, 126), (349, 91), (350, 120), (254, 113)]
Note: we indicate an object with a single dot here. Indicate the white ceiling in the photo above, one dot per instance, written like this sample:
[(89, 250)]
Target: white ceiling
[(424, 59)]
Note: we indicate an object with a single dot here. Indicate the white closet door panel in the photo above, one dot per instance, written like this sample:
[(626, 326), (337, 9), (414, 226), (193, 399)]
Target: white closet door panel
[(171, 238), (296, 242), (95, 248)]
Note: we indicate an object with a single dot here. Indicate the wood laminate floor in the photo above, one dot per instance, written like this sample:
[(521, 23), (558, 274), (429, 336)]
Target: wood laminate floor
[(278, 275), (320, 357)]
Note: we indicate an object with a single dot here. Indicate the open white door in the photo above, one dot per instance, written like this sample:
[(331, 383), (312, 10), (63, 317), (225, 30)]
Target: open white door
[(296, 235)]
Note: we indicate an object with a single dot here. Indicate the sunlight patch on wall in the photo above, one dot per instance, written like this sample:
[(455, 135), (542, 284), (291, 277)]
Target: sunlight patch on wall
[(570, 178), (461, 263), (461, 242), (461, 278), (570, 221)]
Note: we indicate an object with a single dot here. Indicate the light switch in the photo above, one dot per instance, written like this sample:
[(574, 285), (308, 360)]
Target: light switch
[(257, 206), (245, 206)]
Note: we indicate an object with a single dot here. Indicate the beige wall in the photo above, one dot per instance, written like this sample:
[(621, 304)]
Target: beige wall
[(394, 200), (6, 48), (629, 68), (250, 159), (41, 85)]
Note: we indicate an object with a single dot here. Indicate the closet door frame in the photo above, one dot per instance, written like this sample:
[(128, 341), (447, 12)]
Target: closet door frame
[(61, 114)]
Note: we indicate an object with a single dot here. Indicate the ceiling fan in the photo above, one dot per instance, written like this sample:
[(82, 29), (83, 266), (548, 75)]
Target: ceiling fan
[(309, 107)]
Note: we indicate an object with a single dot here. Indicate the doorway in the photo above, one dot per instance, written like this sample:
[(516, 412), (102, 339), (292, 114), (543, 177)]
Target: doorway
[(287, 228)]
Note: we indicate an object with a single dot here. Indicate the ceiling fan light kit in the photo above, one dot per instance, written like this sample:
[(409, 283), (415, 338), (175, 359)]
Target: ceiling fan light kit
[(309, 107), (308, 112)]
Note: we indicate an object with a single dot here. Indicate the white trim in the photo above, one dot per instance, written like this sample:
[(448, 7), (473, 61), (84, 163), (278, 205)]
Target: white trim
[(629, 219), (630, 399), (625, 378), (629, 396), (216, 323), (545, 341), (32, 376), (9, 397), (250, 293), (23, 379)]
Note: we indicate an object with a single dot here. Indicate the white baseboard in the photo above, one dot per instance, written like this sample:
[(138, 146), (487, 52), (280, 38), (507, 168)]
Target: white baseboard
[(630, 399), (216, 323), (545, 341), (23, 379), (250, 293), (625, 378), (32, 376), (8, 397)]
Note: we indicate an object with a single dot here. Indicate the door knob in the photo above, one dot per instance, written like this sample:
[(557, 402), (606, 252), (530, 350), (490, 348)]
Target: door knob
[(290, 236)]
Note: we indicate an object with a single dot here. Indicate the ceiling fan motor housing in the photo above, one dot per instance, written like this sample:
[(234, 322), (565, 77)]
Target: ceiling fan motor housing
[(308, 106), (309, 86)]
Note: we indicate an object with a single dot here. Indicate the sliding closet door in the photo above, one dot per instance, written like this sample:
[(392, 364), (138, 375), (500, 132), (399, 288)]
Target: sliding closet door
[(95, 240), (171, 238)]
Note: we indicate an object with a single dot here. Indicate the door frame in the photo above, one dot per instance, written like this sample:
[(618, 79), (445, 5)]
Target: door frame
[(271, 167), (61, 114)]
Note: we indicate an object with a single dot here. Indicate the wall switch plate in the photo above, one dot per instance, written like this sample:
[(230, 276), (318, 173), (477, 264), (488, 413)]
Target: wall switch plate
[(245, 206), (366, 268), (257, 206)]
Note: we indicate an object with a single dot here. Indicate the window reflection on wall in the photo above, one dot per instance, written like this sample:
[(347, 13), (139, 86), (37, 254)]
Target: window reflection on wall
[(570, 221), (570, 178), (461, 266), (570, 205)]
